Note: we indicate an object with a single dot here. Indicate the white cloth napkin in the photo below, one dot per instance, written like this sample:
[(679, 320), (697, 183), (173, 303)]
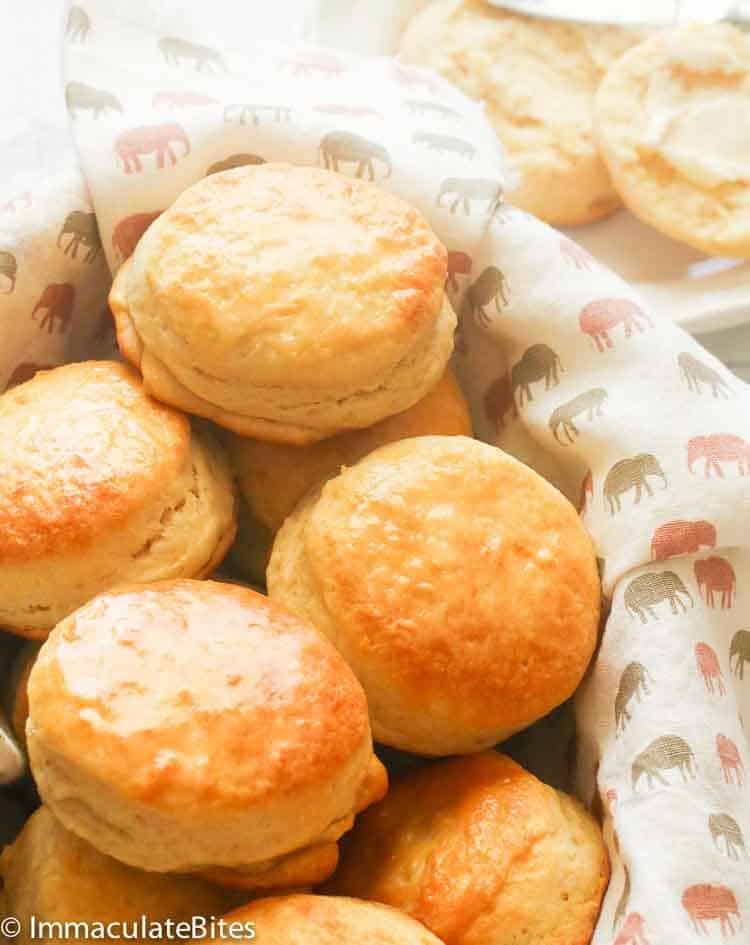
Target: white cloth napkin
[(626, 413)]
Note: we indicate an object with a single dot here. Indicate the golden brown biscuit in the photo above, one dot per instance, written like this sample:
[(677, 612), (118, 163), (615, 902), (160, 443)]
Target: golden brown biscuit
[(51, 874), (327, 920), (672, 122), (286, 303), (537, 79), (101, 484), (458, 584), (191, 726), (482, 853), (273, 477)]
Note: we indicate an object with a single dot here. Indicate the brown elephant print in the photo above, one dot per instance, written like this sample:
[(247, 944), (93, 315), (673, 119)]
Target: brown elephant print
[(706, 902), (344, 147), (634, 684), (739, 652), (203, 58), (695, 373), (598, 318), (459, 264), (499, 402), (663, 754), (632, 473), (83, 231), (732, 768), (727, 836), (681, 537), (56, 301), (129, 230), (591, 403), (463, 191), (644, 593), (80, 97), (716, 449), (716, 580), (490, 288), (235, 160), (24, 372), (131, 145), (538, 363), (8, 271), (709, 667)]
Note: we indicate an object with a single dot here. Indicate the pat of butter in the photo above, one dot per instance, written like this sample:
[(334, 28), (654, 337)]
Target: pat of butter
[(704, 136)]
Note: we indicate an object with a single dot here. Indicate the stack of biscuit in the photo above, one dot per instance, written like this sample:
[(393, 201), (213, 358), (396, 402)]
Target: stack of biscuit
[(197, 744), (595, 117)]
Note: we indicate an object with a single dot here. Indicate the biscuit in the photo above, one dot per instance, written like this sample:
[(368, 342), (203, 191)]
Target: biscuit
[(458, 584), (328, 920), (51, 874), (537, 79), (482, 853), (672, 124), (192, 726), (273, 477), (286, 303), (101, 484)]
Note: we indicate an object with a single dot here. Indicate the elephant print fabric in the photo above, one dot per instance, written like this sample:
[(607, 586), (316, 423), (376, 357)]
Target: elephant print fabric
[(563, 365)]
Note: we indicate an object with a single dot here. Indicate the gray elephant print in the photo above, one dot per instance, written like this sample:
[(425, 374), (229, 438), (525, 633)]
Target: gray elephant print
[(235, 160), (633, 684), (422, 107), (175, 50), (244, 113), (695, 373), (646, 592), (722, 827), (663, 754), (78, 26), (630, 474), (464, 190), (445, 144), (739, 652), (590, 402), (83, 231), (491, 287), (709, 667), (539, 362), (80, 97), (348, 148), (9, 270), (599, 317)]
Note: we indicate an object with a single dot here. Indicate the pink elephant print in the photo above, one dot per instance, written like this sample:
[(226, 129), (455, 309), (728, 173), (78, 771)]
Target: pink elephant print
[(731, 763), (413, 78), (129, 230), (499, 402), (680, 538), (314, 62), (599, 317), (459, 264), (57, 303), (20, 201), (716, 576), (705, 902), (716, 449), (131, 145), (575, 255), (709, 668), (350, 111), (24, 372), (632, 931), (173, 100)]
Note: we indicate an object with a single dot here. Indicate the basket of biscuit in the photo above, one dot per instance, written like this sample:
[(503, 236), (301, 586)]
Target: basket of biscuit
[(373, 558)]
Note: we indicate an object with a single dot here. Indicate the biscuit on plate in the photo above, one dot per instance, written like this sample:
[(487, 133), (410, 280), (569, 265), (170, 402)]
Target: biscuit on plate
[(673, 123), (286, 303), (192, 726), (273, 477), (482, 853), (101, 484), (537, 80), (51, 874), (458, 584), (328, 920)]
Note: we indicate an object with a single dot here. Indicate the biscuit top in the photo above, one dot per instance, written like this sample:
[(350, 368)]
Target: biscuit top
[(697, 103), (433, 552), (260, 268), (81, 447), (329, 920), (187, 693)]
